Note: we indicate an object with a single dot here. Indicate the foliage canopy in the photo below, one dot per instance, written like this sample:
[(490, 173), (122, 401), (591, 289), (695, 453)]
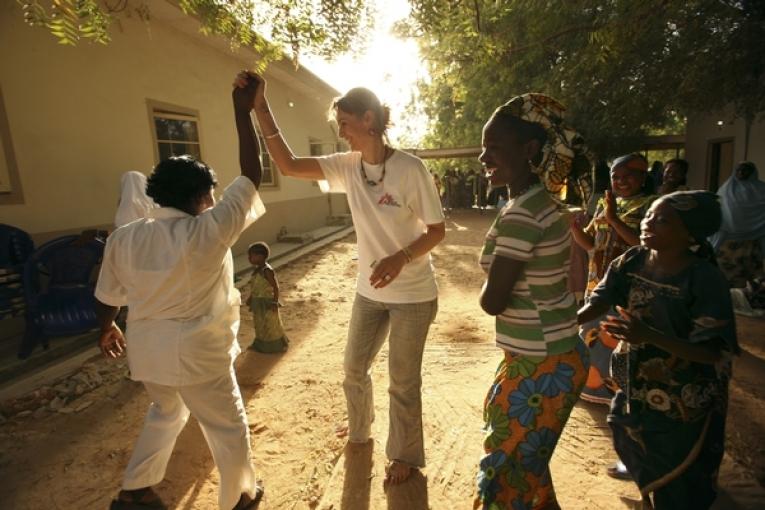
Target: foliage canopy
[(623, 68), (321, 27)]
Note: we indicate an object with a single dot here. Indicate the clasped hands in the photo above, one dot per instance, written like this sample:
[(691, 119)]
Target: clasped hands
[(627, 327)]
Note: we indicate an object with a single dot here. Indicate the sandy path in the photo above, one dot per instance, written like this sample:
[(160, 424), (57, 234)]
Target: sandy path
[(295, 400)]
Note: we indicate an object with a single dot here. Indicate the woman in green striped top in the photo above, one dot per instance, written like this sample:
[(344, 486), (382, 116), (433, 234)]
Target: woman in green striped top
[(526, 258)]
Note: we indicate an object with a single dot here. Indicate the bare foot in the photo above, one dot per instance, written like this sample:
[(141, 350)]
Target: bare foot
[(397, 472), (341, 431)]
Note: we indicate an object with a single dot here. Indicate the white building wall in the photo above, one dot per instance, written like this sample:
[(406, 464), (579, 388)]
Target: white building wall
[(708, 128), (78, 116)]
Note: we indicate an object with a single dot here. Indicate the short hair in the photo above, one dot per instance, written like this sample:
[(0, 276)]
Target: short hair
[(360, 100), (679, 163), (261, 248), (179, 180)]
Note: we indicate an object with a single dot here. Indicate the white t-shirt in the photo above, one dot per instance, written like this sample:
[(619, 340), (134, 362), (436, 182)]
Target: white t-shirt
[(176, 274), (387, 217)]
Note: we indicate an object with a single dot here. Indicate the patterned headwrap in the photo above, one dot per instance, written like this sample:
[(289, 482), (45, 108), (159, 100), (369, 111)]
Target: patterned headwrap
[(699, 211), (565, 158), (631, 161)]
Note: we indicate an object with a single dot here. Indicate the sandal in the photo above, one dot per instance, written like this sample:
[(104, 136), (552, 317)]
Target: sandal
[(139, 499), (619, 471), (252, 504)]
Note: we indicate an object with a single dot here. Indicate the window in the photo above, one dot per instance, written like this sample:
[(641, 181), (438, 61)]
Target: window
[(269, 168), (176, 134), (10, 184), (5, 172), (319, 148)]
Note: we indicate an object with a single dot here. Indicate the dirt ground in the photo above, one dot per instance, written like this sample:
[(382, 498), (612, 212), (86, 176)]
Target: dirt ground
[(295, 400)]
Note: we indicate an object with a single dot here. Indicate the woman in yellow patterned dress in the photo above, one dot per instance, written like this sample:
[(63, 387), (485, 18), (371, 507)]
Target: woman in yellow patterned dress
[(614, 229), (264, 303)]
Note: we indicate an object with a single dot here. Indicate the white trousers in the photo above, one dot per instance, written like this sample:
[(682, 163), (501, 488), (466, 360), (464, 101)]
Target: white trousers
[(218, 407)]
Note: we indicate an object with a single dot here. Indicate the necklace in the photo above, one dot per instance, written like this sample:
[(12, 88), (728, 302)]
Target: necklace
[(369, 181)]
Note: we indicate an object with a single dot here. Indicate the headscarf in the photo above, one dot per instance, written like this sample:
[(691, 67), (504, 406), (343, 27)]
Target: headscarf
[(134, 203), (699, 212), (632, 162), (565, 158), (743, 209)]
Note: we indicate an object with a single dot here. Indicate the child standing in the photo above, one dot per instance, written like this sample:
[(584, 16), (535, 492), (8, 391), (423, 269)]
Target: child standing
[(264, 302), (677, 320)]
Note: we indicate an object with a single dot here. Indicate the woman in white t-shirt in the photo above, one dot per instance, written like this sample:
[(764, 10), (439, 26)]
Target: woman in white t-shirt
[(398, 218)]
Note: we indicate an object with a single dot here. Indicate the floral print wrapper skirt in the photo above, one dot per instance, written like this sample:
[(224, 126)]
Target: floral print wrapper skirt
[(524, 413)]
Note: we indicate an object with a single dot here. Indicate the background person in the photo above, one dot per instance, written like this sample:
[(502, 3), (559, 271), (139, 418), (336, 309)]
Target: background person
[(675, 177), (133, 202), (613, 230), (740, 243), (263, 301)]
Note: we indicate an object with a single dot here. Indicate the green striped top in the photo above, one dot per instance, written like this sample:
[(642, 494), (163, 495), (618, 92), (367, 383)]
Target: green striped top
[(540, 317)]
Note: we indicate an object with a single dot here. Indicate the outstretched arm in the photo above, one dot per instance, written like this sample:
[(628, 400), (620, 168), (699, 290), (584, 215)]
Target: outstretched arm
[(286, 161), (249, 151)]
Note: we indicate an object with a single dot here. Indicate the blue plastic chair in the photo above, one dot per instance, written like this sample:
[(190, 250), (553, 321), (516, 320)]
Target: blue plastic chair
[(65, 304), (15, 248)]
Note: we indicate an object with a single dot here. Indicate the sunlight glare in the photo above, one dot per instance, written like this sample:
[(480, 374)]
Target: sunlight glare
[(390, 67)]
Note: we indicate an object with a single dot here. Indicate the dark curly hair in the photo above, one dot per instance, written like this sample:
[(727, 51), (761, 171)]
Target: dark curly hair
[(179, 181)]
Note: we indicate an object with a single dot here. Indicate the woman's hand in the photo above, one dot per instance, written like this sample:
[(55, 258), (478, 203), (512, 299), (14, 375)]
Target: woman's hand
[(578, 220), (112, 342), (245, 78), (627, 327), (246, 85), (387, 269), (609, 210)]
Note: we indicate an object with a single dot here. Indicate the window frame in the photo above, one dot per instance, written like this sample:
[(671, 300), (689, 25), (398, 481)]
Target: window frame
[(267, 162), (173, 112), (11, 191)]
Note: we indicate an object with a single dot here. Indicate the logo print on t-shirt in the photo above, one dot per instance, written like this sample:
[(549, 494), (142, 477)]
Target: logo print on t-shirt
[(387, 199)]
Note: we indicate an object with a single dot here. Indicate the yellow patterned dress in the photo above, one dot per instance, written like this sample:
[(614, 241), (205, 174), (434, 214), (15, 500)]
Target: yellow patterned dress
[(269, 330)]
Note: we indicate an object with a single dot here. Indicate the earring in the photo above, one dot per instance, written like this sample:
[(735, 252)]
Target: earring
[(372, 132)]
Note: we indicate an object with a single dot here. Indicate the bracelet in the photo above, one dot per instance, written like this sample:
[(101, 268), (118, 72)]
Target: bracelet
[(272, 135), (407, 253)]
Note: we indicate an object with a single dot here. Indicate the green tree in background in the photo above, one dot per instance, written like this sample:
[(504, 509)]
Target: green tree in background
[(623, 68), (321, 27)]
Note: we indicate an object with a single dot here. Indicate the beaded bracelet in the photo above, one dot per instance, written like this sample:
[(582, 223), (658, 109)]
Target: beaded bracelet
[(407, 253)]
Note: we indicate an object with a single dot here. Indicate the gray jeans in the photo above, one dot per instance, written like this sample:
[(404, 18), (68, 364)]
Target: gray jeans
[(408, 324)]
